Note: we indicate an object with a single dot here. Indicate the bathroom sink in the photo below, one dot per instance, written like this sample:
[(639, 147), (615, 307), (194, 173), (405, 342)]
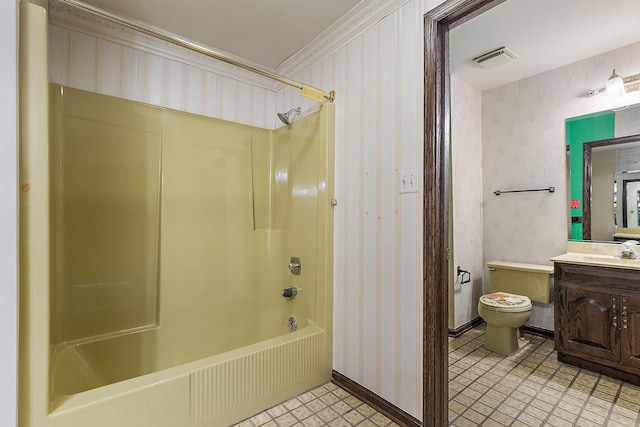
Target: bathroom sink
[(600, 254), (604, 258), (599, 260), (607, 258)]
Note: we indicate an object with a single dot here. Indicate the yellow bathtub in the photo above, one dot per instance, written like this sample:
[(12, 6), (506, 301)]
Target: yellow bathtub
[(154, 247)]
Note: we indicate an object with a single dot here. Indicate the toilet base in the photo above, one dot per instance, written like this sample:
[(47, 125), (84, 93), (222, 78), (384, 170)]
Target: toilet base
[(504, 340)]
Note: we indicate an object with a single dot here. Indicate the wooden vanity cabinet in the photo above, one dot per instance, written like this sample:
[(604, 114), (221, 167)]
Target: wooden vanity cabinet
[(597, 319)]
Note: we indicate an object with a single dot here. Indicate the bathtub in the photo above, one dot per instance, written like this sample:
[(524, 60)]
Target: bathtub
[(139, 338), (214, 391), (195, 331)]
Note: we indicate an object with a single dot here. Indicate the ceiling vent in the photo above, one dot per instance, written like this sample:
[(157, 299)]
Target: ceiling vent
[(500, 56)]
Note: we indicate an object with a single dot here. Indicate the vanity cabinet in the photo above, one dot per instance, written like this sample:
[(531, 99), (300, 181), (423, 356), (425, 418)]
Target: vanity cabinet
[(597, 319)]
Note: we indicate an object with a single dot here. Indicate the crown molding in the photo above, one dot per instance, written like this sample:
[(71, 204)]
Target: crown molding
[(355, 22), (68, 17)]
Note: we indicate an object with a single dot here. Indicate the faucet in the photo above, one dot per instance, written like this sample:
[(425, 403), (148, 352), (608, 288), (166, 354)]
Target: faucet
[(289, 292), (295, 265), (627, 249)]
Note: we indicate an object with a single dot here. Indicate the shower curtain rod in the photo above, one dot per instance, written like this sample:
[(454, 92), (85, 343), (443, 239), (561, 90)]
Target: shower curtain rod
[(308, 91)]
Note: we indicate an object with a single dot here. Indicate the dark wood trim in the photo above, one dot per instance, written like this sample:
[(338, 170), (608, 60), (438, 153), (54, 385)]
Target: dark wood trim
[(625, 206), (461, 330), (586, 192), (435, 238), (599, 368), (437, 23), (587, 149), (392, 412), (533, 330), (544, 333)]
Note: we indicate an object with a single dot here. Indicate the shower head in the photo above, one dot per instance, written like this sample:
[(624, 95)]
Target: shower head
[(286, 117)]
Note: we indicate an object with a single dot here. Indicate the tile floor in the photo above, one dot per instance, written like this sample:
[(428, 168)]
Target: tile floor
[(327, 405), (531, 388), (528, 389)]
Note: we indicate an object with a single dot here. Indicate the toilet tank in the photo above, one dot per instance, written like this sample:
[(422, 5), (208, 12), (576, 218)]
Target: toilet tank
[(531, 280)]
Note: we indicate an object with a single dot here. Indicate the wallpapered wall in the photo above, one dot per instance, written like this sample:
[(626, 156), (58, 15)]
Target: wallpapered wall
[(88, 62), (466, 166), (378, 232), (523, 134), (9, 210)]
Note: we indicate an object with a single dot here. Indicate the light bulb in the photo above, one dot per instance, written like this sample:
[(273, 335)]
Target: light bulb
[(615, 85)]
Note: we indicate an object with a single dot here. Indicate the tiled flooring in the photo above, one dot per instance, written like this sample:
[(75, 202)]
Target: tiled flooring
[(528, 389), (531, 388), (327, 405)]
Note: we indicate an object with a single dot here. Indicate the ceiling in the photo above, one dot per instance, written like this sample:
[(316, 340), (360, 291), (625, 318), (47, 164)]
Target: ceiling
[(263, 32), (545, 34)]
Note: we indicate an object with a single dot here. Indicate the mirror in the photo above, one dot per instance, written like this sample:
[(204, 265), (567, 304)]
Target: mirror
[(627, 212), (611, 183), (604, 153)]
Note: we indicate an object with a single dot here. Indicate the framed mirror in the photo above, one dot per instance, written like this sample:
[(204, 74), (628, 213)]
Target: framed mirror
[(611, 184), (601, 146)]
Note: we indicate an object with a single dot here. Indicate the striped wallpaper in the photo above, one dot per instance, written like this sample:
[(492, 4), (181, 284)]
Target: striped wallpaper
[(91, 63), (378, 77), (378, 232), (9, 196)]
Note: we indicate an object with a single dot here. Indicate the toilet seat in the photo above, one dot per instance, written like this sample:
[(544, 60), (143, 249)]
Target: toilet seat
[(505, 302)]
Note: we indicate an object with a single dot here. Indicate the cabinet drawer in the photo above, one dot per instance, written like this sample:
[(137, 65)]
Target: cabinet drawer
[(617, 279)]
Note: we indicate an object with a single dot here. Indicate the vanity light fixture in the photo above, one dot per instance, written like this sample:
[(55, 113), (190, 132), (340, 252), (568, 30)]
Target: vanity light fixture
[(617, 85)]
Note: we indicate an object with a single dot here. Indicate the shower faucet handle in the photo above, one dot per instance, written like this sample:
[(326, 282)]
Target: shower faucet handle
[(289, 292), (295, 265)]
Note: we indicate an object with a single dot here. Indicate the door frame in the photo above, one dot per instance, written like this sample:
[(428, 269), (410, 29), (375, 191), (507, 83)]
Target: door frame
[(437, 139)]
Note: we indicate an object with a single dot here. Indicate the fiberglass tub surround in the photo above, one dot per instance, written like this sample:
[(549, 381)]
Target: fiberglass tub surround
[(171, 239)]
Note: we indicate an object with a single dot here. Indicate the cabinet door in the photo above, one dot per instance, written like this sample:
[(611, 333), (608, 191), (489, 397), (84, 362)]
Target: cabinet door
[(630, 327), (589, 323)]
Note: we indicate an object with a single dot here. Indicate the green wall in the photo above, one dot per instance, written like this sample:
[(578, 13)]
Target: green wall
[(592, 127)]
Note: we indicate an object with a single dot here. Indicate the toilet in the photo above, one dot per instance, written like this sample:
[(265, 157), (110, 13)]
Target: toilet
[(507, 307)]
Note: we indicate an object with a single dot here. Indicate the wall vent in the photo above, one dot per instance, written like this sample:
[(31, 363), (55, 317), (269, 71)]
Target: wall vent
[(496, 57)]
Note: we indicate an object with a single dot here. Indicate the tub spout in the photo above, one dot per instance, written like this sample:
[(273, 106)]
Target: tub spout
[(290, 292), (292, 324)]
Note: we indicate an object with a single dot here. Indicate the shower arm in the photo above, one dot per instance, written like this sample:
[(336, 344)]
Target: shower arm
[(308, 91)]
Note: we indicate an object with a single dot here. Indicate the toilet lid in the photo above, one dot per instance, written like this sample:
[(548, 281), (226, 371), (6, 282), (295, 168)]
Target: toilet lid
[(502, 301)]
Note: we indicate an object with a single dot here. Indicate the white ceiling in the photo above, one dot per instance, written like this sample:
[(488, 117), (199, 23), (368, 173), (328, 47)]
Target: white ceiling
[(546, 34), (263, 32)]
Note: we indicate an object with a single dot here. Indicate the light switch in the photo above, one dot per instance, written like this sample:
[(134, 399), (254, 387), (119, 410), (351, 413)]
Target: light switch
[(408, 181)]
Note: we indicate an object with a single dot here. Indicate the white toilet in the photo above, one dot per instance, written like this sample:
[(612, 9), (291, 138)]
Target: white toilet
[(507, 307)]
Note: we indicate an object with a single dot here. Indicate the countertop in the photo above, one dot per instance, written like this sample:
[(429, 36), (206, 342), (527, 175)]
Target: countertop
[(597, 260)]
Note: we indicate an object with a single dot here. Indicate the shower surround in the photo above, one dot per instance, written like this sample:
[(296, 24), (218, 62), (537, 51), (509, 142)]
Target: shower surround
[(170, 238)]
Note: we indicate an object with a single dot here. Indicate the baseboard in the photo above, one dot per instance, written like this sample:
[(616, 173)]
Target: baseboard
[(544, 333), (386, 408), (455, 333)]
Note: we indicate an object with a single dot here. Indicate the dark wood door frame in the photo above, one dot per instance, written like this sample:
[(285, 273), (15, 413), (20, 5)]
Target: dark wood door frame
[(437, 118)]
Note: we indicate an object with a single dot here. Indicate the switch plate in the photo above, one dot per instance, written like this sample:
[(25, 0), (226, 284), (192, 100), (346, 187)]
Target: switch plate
[(408, 180)]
